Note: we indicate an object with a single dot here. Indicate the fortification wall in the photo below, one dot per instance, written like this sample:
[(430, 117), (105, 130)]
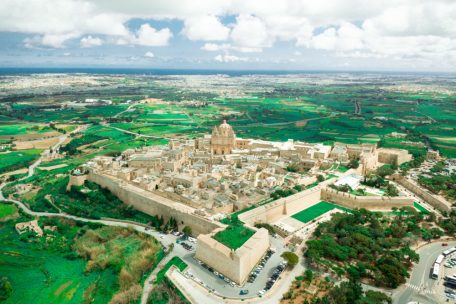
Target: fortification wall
[(433, 200), (237, 264), (280, 208), (374, 203), (252, 252), (219, 257), (152, 204)]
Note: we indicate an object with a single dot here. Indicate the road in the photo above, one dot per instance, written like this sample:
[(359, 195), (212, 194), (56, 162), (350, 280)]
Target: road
[(133, 133), (125, 111), (420, 287)]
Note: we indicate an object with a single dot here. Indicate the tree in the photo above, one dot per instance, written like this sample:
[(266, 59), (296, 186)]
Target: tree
[(320, 178), (5, 288), (354, 164), (391, 190), (187, 231), (309, 275), (375, 297), (436, 232), (291, 258), (385, 170)]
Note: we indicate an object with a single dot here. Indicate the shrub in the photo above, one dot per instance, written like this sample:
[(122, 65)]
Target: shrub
[(291, 258)]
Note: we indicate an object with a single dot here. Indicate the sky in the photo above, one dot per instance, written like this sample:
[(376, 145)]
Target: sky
[(390, 35)]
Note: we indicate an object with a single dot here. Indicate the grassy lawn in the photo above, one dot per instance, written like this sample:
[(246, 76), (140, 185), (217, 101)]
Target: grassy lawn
[(7, 210), (234, 236), (420, 208), (342, 169), (315, 211), (181, 265)]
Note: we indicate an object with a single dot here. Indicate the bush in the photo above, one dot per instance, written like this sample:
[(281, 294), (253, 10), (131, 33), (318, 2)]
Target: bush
[(5, 288), (291, 258)]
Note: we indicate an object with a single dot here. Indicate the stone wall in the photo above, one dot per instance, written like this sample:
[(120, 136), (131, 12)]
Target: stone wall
[(234, 264), (431, 199), (76, 180), (280, 208), (373, 203), (153, 204)]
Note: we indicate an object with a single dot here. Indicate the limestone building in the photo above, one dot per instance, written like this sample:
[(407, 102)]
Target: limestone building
[(223, 139)]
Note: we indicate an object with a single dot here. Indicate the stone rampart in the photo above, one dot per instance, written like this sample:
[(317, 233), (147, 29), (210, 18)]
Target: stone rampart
[(280, 208), (153, 204), (234, 264), (431, 199), (373, 203), (76, 180)]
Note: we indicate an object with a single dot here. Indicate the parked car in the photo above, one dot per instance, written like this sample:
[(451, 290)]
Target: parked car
[(243, 292)]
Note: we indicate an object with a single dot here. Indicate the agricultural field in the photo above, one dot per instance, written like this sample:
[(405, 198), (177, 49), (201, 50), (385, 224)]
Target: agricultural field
[(11, 130), (7, 210), (15, 160)]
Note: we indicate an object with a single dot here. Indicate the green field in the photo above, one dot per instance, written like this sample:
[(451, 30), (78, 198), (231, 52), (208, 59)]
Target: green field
[(18, 159), (315, 211), (234, 236), (21, 129), (7, 210)]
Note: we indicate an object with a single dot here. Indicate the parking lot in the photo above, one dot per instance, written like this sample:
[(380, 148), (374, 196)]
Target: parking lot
[(449, 277)]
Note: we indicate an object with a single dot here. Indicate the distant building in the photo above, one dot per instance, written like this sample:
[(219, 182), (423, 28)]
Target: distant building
[(397, 135), (393, 156)]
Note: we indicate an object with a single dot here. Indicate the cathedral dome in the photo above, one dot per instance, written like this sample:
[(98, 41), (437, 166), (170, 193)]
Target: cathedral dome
[(224, 126)]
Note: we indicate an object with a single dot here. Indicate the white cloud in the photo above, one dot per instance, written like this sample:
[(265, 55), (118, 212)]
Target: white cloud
[(250, 33), (48, 40), (213, 47), (148, 36), (385, 28), (89, 41), (206, 28), (346, 37), (226, 58), (149, 55)]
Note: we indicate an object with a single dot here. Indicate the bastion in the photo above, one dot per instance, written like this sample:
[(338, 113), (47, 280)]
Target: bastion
[(234, 264)]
